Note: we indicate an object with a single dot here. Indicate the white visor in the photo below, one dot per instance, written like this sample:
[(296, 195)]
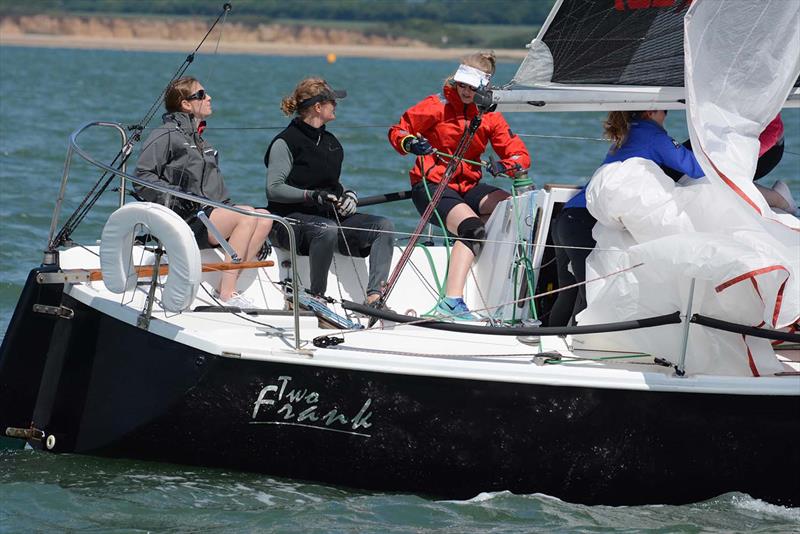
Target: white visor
[(471, 76)]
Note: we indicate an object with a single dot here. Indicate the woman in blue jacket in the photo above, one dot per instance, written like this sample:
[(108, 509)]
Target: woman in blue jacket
[(634, 134)]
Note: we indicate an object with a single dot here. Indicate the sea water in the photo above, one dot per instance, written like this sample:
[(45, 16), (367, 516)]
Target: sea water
[(45, 94)]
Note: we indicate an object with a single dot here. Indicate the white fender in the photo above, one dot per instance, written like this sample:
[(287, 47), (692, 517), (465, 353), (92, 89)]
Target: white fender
[(185, 265)]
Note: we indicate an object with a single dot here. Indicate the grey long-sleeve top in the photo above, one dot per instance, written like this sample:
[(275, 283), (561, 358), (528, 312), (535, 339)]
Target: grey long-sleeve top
[(280, 165)]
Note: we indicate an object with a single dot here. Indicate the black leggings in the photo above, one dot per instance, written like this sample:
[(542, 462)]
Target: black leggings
[(572, 228), (318, 237)]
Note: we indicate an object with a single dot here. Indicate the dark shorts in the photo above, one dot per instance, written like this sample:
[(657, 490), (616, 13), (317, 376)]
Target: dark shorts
[(769, 160), (450, 199)]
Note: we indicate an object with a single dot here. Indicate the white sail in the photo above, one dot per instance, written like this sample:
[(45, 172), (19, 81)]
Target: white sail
[(737, 82), (715, 237)]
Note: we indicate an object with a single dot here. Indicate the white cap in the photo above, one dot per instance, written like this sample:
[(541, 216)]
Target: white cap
[(471, 76)]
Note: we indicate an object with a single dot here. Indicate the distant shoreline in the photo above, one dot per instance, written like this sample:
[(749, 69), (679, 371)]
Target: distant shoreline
[(417, 53)]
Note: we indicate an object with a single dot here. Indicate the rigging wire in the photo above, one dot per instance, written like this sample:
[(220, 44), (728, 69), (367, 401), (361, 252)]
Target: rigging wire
[(219, 38), (384, 126), (515, 301)]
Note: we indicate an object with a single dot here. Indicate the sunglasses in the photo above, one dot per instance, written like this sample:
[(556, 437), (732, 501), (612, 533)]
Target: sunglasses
[(199, 95), (462, 85)]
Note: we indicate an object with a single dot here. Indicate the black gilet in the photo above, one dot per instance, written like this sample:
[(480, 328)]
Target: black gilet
[(316, 164)]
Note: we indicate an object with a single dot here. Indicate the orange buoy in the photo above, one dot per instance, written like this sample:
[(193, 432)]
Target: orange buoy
[(331, 57)]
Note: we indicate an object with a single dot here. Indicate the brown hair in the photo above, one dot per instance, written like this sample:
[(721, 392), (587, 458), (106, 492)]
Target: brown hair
[(177, 91), (616, 126), (305, 89)]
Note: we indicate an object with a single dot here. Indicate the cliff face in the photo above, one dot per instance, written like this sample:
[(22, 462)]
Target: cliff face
[(189, 29)]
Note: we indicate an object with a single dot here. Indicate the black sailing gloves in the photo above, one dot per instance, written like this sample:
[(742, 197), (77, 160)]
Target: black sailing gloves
[(322, 198), (417, 145), (345, 205), (497, 168)]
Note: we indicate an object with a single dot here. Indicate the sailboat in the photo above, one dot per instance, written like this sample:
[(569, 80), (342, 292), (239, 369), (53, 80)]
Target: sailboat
[(120, 349)]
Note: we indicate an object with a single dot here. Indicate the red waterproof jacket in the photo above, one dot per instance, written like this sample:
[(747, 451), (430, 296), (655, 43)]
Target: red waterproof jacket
[(443, 121)]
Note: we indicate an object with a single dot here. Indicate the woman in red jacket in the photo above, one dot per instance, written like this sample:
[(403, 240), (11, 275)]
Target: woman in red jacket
[(437, 123)]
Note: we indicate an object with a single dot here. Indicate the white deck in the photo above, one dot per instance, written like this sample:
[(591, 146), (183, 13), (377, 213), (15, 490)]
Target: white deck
[(392, 348)]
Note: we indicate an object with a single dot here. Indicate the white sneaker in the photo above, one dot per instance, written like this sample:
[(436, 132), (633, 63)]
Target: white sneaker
[(783, 190), (238, 300)]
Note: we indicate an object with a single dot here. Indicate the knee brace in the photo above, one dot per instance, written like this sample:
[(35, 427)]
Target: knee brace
[(471, 233)]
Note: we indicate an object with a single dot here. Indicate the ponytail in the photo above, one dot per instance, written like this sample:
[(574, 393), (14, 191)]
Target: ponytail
[(616, 127), (306, 88)]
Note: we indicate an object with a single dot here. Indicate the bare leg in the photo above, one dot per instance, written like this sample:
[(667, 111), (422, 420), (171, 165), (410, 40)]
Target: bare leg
[(490, 202), (460, 256), (263, 227), (238, 229), (773, 198)]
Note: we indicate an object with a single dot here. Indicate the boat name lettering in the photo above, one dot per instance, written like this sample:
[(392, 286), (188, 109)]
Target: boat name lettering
[(303, 406)]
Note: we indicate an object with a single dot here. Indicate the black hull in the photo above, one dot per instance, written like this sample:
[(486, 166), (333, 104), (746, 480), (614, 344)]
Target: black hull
[(24, 350), (115, 390)]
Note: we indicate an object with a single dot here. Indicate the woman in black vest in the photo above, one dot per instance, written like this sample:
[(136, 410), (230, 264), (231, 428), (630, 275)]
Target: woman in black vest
[(304, 162)]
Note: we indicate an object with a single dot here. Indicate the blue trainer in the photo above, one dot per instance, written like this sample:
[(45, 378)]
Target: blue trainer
[(455, 308)]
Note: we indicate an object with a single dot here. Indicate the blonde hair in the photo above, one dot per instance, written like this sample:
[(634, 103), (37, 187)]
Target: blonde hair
[(617, 125), (305, 89), (177, 91), (484, 60)]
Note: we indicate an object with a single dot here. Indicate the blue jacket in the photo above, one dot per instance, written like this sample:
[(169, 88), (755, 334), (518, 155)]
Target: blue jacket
[(646, 139)]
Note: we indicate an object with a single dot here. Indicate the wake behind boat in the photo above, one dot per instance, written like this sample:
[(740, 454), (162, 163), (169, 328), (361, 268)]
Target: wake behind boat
[(123, 351)]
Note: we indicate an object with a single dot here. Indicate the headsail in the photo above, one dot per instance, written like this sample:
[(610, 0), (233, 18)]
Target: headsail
[(737, 82), (716, 238), (605, 55)]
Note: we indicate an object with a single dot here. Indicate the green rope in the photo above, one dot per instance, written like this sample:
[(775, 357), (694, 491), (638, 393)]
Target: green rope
[(521, 181), (439, 285), (443, 286)]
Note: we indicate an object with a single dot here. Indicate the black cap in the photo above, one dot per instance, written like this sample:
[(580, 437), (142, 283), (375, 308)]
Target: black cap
[(325, 96)]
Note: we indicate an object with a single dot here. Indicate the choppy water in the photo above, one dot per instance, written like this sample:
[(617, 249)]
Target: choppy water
[(45, 94), (46, 492)]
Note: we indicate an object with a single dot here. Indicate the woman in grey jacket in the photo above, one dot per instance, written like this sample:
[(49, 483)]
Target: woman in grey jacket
[(176, 156)]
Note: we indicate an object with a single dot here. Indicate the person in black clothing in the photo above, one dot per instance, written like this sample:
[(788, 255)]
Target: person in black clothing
[(304, 164), (176, 156)]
